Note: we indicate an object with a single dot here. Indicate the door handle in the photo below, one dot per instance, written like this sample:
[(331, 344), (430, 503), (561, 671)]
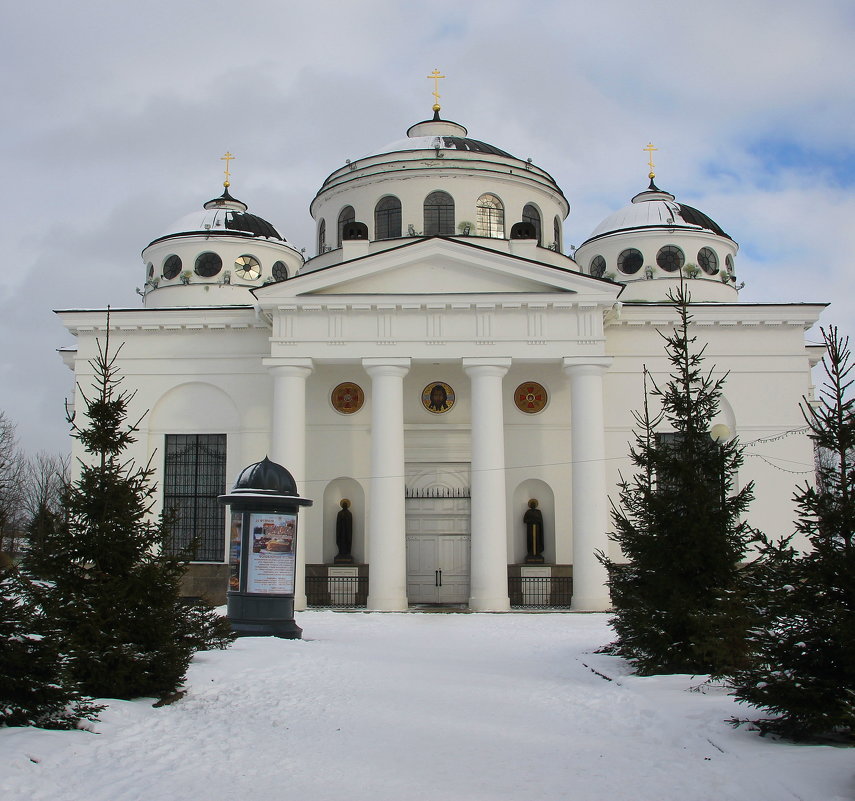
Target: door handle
[(440, 578), (436, 578)]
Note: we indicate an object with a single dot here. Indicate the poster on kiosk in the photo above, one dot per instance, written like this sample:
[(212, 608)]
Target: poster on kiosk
[(271, 562)]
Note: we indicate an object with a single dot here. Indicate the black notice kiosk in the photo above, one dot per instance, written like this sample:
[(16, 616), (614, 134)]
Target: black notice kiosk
[(263, 551)]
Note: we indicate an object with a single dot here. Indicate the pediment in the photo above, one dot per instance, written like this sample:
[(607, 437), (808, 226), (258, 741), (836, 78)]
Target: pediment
[(437, 267)]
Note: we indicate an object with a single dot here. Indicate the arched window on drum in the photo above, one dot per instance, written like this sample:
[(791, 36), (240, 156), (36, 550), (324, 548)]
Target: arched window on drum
[(387, 218), (347, 215), (439, 214), (532, 215), (490, 217)]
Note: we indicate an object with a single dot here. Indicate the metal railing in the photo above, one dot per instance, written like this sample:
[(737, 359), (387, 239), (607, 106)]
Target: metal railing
[(540, 592), (337, 592), (526, 592)]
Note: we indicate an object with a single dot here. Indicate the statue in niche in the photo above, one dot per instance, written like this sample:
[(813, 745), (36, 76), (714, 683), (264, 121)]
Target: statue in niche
[(344, 533), (533, 519)]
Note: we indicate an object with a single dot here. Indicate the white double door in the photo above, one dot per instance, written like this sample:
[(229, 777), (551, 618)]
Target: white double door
[(438, 550)]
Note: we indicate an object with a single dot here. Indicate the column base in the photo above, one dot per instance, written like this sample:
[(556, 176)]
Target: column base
[(387, 604), (499, 604), (593, 604)]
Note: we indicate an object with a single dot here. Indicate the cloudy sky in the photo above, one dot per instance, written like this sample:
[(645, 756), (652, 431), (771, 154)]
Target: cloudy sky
[(117, 113)]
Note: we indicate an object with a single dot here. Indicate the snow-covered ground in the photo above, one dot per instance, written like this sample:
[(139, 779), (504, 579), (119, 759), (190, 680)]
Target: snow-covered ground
[(445, 707)]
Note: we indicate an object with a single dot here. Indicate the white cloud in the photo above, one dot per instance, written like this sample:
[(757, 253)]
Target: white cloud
[(118, 114)]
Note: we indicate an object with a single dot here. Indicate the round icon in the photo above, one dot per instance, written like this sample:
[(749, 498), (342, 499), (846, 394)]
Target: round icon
[(530, 397), (437, 397), (347, 398)]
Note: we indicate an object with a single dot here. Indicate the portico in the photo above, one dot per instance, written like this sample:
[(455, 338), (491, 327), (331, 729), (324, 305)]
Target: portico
[(556, 338)]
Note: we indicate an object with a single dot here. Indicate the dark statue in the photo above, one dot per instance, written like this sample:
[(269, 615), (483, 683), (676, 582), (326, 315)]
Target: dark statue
[(344, 533), (533, 519)]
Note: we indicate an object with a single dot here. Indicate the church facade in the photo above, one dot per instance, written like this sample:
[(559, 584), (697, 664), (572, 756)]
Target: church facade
[(442, 366)]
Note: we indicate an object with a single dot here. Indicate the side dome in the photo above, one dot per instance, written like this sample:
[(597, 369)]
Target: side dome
[(223, 215), (652, 208), (221, 247), (438, 181), (654, 242)]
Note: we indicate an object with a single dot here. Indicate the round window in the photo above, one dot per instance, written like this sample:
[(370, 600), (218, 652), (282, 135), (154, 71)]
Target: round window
[(208, 264), (247, 268), (171, 267), (598, 267), (708, 261), (630, 261), (280, 271), (670, 258)]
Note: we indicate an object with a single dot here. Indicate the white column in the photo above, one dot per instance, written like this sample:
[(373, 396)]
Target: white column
[(589, 502), (489, 546), (386, 539), (288, 442)]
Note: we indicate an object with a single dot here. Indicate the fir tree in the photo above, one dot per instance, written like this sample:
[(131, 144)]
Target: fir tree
[(112, 586), (35, 689), (676, 599), (802, 651)]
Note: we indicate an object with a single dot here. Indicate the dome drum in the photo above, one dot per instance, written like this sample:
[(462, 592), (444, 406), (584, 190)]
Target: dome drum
[(393, 209), (649, 261), (228, 264)]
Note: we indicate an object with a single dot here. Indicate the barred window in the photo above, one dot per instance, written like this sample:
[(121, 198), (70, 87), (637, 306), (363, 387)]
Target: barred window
[(194, 475), (387, 218), (490, 216), (322, 236), (439, 214), (556, 233)]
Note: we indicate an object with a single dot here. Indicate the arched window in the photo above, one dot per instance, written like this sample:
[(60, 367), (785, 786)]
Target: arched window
[(556, 235), (348, 215), (532, 215), (387, 218), (490, 217), (439, 214), (322, 236)]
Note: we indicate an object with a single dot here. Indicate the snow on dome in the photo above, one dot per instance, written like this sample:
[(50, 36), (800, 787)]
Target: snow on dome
[(654, 208), (223, 215), (438, 134)]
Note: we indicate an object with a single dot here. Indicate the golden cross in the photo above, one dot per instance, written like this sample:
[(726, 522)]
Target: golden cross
[(650, 150), (227, 158), (435, 76)]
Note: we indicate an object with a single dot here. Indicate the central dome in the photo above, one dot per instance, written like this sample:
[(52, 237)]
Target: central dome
[(438, 182)]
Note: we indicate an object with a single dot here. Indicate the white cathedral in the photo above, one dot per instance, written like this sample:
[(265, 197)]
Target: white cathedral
[(442, 365)]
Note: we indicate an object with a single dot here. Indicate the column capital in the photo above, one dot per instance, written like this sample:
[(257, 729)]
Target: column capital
[(486, 366), (586, 365), (391, 367), (294, 367)]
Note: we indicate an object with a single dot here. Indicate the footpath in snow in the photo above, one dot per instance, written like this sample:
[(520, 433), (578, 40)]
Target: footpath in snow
[(442, 707)]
